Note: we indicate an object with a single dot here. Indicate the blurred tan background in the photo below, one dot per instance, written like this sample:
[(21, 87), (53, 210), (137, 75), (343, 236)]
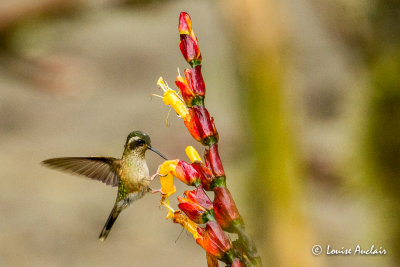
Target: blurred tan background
[(305, 96)]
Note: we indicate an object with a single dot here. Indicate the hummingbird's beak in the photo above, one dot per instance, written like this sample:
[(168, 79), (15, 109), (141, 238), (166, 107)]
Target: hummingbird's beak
[(156, 151)]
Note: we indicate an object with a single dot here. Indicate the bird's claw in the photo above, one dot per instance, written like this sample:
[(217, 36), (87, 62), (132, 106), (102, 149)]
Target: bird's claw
[(155, 175), (157, 191)]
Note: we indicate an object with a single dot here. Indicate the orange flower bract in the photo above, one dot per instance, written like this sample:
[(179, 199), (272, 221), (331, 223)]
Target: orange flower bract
[(214, 240)]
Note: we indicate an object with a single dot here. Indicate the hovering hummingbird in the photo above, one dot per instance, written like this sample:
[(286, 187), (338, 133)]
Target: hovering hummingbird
[(130, 173)]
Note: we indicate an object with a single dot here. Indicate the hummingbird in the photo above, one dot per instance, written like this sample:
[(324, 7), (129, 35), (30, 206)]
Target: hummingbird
[(130, 173)]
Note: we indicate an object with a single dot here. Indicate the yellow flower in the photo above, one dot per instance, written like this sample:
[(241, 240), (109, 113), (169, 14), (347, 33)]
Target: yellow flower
[(171, 98), (182, 219), (166, 179), (192, 154)]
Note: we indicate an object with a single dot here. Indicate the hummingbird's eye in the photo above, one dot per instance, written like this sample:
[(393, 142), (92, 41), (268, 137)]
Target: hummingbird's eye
[(137, 143), (140, 142)]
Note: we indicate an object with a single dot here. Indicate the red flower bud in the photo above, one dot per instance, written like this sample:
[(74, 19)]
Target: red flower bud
[(204, 123), (205, 173), (213, 160), (192, 126), (193, 210), (197, 205), (225, 208), (186, 92), (186, 173), (200, 125), (199, 196), (189, 45), (214, 240), (195, 81), (190, 49), (185, 23)]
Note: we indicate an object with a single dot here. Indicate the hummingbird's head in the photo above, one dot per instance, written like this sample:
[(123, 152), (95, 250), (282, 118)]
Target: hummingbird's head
[(139, 142)]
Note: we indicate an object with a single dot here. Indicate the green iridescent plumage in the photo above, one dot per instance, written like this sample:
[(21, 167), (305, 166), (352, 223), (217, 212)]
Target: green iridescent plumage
[(122, 191)]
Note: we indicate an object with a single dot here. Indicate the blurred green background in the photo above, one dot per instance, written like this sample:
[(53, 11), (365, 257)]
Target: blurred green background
[(305, 96)]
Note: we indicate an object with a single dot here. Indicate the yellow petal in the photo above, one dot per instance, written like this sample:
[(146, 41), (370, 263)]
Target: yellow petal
[(166, 178), (187, 223), (182, 219), (165, 202), (172, 99), (167, 185), (192, 154)]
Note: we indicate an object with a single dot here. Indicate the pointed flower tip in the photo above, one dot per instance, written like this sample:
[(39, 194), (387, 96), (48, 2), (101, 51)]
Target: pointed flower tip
[(185, 23), (189, 45), (192, 154), (162, 84), (179, 78)]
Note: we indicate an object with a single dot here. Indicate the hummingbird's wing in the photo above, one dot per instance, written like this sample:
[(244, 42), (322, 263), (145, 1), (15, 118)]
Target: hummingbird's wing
[(99, 168)]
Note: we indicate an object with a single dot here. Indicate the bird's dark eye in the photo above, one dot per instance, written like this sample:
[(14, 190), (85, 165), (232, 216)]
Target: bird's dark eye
[(140, 142)]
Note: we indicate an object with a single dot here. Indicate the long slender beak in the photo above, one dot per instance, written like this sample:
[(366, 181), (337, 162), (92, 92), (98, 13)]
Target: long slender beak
[(156, 151)]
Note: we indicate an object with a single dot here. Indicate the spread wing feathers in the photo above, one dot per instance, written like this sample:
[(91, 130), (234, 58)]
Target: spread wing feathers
[(99, 168)]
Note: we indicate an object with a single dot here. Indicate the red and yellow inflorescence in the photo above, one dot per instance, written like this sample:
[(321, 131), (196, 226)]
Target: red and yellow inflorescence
[(195, 207), (195, 204)]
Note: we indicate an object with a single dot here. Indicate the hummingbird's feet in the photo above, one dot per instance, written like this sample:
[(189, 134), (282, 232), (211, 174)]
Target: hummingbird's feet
[(156, 191), (152, 177), (155, 175)]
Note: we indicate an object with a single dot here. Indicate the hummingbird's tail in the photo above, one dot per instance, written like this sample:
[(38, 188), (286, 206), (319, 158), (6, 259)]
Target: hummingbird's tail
[(110, 222)]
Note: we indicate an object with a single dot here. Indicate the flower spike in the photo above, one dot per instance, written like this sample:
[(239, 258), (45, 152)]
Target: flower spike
[(221, 214)]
